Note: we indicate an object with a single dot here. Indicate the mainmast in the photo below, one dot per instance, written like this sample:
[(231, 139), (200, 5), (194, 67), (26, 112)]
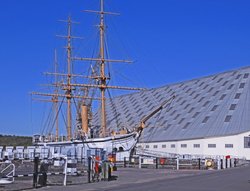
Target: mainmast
[(102, 71), (102, 78)]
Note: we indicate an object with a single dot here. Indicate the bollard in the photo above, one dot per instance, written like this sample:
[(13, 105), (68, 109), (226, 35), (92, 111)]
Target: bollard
[(235, 162), (228, 163), (89, 169), (156, 163), (218, 164), (124, 162), (35, 174), (140, 161), (199, 161), (221, 163), (177, 163)]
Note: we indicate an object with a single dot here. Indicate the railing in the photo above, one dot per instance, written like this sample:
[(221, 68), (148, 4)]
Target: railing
[(8, 172)]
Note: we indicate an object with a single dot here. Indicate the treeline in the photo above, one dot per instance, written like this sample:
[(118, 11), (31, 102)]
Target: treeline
[(12, 140)]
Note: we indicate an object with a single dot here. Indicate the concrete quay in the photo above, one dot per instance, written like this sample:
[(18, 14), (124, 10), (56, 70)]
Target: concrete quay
[(130, 179)]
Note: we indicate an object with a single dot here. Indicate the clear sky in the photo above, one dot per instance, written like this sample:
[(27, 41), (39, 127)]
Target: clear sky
[(170, 41)]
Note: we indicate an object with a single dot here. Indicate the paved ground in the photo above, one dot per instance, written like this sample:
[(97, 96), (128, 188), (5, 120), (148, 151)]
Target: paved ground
[(235, 179)]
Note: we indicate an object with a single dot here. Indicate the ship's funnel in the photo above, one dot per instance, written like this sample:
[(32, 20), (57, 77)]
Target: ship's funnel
[(85, 125)]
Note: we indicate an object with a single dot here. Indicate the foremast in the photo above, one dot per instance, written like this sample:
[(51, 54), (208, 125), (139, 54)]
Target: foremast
[(68, 88)]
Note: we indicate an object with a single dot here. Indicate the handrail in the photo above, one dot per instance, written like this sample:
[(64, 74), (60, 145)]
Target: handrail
[(10, 175)]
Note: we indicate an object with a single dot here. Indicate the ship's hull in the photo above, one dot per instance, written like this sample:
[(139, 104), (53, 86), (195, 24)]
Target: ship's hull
[(121, 145)]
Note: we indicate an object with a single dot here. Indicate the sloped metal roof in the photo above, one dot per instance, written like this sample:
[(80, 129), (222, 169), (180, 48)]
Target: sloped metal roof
[(212, 106)]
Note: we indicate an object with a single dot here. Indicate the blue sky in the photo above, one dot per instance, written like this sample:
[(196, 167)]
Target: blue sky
[(170, 41)]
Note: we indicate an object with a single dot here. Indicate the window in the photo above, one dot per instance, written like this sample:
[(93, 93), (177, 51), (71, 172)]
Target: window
[(206, 103), (186, 106), (188, 90), (183, 145), (229, 145), (230, 87), (228, 118), (155, 146), (223, 96), (237, 96), (172, 146), (173, 112), (242, 85), (195, 115), (232, 107), (179, 99), (185, 87), (182, 119), (246, 142), (181, 85), (168, 108), (201, 83), (224, 83), (201, 99), (163, 146), (196, 96), (219, 80), (205, 87), (170, 90), (214, 108), (147, 146), (196, 145), (246, 75), (211, 145), (191, 110), (187, 124), (192, 93), (176, 116), (214, 77), (205, 119), (183, 102), (238, 77), (210, 89), (215, 93)]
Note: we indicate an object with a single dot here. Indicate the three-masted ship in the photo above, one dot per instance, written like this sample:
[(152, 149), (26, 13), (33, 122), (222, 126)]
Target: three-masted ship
[(68, 91)]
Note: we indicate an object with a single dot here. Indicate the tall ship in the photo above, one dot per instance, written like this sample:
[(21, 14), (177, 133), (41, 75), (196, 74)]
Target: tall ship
[(69, 92)]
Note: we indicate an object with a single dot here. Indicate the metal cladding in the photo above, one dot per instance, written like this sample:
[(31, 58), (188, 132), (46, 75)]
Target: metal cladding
[(212, 106)]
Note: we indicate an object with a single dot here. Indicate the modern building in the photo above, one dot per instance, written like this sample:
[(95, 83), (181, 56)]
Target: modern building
[(209, 116)]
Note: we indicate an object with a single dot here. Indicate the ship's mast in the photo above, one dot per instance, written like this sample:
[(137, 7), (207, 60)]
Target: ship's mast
[(102, 70), (55, 99), (102, 78), (69, 89)]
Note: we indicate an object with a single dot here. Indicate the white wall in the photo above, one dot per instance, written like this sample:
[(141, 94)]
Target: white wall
[(238, 149)]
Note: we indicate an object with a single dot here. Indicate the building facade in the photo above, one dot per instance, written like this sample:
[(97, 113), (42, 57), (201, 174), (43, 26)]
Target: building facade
[(209, 116)]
